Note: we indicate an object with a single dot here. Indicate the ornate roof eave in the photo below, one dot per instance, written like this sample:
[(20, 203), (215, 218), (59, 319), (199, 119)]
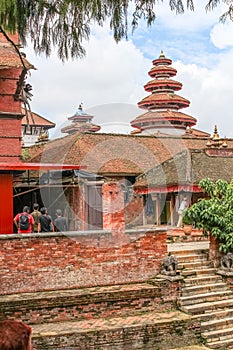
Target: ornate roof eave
[(155, 83), (151, 117), (158, 70)]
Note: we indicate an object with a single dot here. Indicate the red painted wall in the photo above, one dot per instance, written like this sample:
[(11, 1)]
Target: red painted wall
[(6, 203)]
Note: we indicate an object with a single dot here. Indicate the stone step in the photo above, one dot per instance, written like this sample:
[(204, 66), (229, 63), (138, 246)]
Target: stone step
[(218, 334), (215, 324), (203, 271), (221, 344), (207, 297), (145, 331), (214, 315), (194, 265), (203, 288), (196, 280), (190, 258), (192, 347), (207, 307)]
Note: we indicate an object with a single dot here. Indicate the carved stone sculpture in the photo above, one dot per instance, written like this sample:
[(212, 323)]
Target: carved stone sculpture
[(169, 266)]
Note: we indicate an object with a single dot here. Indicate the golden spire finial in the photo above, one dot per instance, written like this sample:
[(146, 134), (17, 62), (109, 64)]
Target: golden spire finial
[(161, 54), (216, 135)]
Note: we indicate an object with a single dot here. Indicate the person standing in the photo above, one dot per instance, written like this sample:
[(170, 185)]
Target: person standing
[(183, 206), (36, 214), (45, 221), (24, 221), (60, 223)]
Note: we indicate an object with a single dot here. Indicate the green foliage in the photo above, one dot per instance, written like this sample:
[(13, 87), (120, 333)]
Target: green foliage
[(25, 154), (65, 24), (214, 214)]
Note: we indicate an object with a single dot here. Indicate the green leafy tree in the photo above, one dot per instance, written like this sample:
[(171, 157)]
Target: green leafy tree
[(214, 214), (65, 24)]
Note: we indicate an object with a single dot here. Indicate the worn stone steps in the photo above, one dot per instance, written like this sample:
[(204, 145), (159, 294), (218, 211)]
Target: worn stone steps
[(197, 272), (214, 324), (214, 315), (218, 334), (207, 306), (193, 265), (210, 301), (206, 297), (190, 257), (223, 344), (201, 279), (203, 288)]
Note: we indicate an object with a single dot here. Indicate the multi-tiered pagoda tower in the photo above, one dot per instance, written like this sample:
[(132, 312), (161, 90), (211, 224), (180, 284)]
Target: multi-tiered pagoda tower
[(163, 104)]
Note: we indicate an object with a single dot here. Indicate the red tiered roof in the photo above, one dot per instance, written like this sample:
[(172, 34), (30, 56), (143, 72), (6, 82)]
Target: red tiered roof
[(163, 103), (163, 84)]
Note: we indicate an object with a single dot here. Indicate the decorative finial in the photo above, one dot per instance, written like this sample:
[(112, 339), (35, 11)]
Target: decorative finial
[(225, 143), (80, 107), (216, 135), (162, 54)]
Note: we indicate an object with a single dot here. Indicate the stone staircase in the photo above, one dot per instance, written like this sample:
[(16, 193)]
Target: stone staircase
[(207, 298)]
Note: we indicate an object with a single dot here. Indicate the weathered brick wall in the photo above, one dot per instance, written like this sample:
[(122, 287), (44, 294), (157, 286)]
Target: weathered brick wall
[(89, 303), (52, 261), (155, 336), (134, 211)]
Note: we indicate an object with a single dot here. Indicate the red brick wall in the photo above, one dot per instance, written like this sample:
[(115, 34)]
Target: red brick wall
[(44, 262), (134, 211), (8, 85), (113, 208)]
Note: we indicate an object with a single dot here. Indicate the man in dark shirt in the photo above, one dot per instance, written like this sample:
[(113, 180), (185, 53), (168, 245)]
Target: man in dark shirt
[(60, 223), (45, 221)]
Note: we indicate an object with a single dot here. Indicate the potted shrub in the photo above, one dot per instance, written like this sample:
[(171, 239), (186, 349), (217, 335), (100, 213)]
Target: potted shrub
[(214, 214), (187, 224)]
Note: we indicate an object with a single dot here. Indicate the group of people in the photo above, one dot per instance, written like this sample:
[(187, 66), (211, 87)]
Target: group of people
[(39, 220)]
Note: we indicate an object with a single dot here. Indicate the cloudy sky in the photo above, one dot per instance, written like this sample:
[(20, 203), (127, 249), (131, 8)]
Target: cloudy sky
[(109, 80)]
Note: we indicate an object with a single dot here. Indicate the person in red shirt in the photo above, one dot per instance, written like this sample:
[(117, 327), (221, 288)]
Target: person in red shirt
[(24, 221)]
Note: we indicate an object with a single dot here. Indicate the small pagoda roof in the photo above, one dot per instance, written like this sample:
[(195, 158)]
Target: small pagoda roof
[(78, 126), (80, 114), (186, 168), (35, 119)]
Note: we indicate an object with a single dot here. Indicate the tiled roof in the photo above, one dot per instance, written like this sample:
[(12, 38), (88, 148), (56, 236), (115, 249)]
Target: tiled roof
[(114, 153), (80, 126), (176, 85), (9, 57), (196, 132), (38, 120), (188, 168), (163, 98), (168, 114)]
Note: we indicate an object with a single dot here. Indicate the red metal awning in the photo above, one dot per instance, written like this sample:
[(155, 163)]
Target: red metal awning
[(38, 166)]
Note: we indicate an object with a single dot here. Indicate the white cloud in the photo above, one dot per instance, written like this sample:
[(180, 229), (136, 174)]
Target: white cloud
[(111, 77), (222, 35), (110, 73), (210, 93)]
